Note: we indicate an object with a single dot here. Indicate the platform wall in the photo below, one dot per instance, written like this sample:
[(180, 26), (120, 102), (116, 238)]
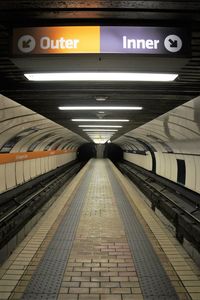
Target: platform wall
[(18, 172), (31, 145), (144, 161), (168, 145)]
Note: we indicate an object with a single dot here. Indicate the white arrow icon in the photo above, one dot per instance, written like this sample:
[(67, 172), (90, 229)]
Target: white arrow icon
[(173, 43), (26, 43)]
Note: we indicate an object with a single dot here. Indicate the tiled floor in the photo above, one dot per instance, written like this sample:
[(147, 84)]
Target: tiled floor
[(16, 272), (100, 264), (183, 272)]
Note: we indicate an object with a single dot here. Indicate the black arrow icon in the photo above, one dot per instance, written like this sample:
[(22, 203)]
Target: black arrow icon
[(26, 44), (173, 44)]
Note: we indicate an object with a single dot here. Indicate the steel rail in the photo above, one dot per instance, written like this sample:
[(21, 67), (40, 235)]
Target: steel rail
[(165, 196), (29, 199)]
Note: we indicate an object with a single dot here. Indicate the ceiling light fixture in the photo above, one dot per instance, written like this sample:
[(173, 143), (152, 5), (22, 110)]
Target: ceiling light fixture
[(100, 130), (101, 98), (99, 135), (100, 76), (99, 120), (99, 141), (100, 126), (100, 107)]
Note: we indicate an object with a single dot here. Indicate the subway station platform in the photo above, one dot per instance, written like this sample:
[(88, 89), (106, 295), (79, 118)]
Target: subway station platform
[(99, 240)]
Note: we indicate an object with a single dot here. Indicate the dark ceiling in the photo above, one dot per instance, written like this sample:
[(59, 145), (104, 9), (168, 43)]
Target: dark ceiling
[(44, 98)]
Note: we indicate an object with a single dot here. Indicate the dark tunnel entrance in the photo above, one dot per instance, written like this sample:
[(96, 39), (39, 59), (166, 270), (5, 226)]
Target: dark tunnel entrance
[(113, 152), (89, 150), (86, 152)]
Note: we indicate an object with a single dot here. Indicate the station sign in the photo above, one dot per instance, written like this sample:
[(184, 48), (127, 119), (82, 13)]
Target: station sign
[(56, 40), (101, 39), (145, 40)]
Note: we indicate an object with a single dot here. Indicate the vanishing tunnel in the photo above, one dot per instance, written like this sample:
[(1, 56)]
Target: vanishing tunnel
[(38, 156), (99, 150)]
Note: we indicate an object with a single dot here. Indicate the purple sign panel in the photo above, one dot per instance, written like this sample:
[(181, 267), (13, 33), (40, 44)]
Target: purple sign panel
[(145, 40)]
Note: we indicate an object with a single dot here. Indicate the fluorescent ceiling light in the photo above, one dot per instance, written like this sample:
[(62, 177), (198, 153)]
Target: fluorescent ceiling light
[(99, 135), (100, 107), (100, 126), (100, 76), (100, 130), (100, 141), (101, 98), (101, 138), (100, 120)]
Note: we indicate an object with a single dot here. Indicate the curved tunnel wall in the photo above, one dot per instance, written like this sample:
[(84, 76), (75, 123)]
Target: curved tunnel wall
[(31, 145), (168, 145)]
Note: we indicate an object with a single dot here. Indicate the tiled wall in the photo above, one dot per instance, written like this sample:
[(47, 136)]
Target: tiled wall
[(22, 129), (144, 161), (172, 136), (15, 173)]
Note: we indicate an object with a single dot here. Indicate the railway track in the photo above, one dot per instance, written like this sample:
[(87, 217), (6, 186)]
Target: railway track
[(17, 211), (178, 204)]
